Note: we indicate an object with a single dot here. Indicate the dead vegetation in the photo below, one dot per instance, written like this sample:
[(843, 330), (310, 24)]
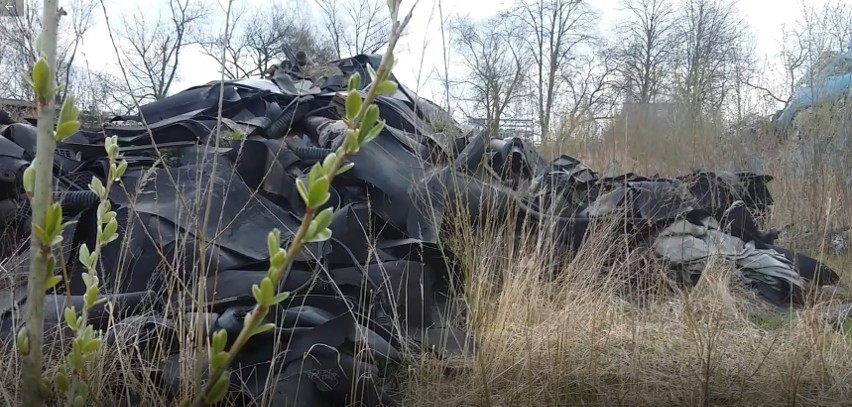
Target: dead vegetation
[(592, 336)]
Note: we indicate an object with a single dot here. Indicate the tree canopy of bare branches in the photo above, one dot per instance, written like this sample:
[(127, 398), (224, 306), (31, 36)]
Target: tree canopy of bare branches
[(709, 32), (591, 93), (152, 44), (552, 31), (494, 66), (18, 43), (645, 51), (260, 38), (356, 26)]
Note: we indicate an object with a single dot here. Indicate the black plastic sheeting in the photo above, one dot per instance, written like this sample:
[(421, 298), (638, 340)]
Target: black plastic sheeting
[(381, 281)]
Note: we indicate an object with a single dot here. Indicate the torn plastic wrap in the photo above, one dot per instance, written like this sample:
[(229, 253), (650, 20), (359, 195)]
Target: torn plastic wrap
[(381, 280)]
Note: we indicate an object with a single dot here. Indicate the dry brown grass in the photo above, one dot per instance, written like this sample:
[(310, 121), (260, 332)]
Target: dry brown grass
[(579, 340)]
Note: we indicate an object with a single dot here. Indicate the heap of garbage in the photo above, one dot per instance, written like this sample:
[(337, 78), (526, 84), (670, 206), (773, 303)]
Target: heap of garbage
[(224, 173)]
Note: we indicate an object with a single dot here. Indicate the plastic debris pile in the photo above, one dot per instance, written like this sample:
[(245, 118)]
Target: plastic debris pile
[(381, 281)]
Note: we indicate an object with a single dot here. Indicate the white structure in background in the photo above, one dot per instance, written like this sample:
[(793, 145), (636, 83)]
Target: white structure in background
[(524, 128)]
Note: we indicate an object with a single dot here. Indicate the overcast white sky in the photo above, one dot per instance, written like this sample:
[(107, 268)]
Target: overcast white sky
[(420, 54)]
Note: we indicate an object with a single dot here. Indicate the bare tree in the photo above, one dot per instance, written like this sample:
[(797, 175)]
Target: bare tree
[(494, 66), (591, 92), (645, 52), (356, 26), (816, 37), (260, 39), (792, 59), (837, 18), (822, 34), (153, 45), (708, 32), (18, 40), (553, 30), (99, 93), (744, 71)]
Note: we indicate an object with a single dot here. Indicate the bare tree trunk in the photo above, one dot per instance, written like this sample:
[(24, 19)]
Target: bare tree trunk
[(554, 29)]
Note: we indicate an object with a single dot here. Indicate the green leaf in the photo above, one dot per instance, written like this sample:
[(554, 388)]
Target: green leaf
[(218, 359), (92, 345), (52, 281), (372, 72), (79, 401), (315, 174), (303, 190), (219, 390), (71, 318), (112, 150), (75, 358), (53, 220), (350, 142), (68, 112), (312, 230), (90, 280), (324, 218), (97, 187), (372, 134), (109, 216), (52, 92), (318, 194), (272, 241), (320, 236), (256, 293), (280, 297), (262, 328), (29, 178), (23, 341), (220, 339), (110, 231), (386, 87), (45, 388), (84, 255), (91, 297), (120, 169), (353, 104), (83, 389), (370, 118), (329, 162), (278, 259), (41, 78), (65, 130), (267, 289), (88, 333), (103, 209), (354, 82), (343, 168), (42, 235), (61, 380)]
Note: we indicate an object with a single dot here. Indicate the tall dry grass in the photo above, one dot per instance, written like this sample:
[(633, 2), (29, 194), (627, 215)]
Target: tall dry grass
[(555, 328)]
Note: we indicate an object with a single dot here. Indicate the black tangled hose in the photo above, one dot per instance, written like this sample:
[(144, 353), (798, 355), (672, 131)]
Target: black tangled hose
[(288, 118), (73, 203), (312, 153)]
